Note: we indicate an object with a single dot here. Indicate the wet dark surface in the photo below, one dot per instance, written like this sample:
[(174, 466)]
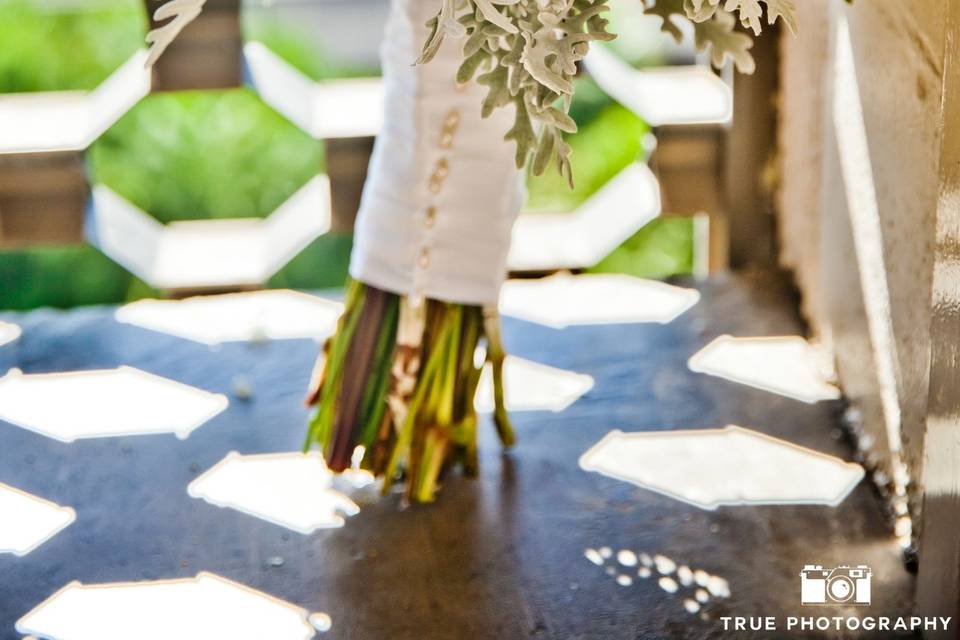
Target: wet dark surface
[(498, 557)]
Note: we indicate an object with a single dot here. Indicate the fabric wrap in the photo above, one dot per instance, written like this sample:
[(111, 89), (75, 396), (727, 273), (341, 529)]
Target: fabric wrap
[(443, 190)]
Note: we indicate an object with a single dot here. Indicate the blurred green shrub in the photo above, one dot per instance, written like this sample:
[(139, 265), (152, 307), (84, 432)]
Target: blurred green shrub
[(190, 155), (48, 45), (661, 249)]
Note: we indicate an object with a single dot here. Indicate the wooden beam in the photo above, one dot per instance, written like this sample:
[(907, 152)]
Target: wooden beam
[(938, 587), (208, 54)]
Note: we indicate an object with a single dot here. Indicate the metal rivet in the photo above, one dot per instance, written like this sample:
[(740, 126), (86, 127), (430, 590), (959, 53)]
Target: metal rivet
[(430, 217), (446, 140), (424, 258)]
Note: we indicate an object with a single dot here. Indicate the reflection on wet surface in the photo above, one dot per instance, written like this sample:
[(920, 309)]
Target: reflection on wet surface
[(200, 608), (565, 300), (260, 315), (8, 333), (292, 490), (695, 587), (27, 521), (531, 386), (95, 404), (732, 466), (786, 365)]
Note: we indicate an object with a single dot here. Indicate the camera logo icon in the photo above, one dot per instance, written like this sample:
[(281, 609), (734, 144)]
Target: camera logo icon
[(842, 585)]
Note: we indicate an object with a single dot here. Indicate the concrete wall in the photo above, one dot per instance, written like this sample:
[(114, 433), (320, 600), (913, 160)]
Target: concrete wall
[(859, 156)]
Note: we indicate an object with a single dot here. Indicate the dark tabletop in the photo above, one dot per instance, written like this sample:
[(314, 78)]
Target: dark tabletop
[(497, 557)]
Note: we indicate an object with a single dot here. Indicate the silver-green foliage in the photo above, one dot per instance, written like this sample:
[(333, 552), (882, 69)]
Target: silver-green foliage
[(526, 53)]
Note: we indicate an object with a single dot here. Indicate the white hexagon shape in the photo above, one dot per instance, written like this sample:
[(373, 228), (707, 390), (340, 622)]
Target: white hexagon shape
[(731, 466), (582, 238), (531, 386), (679, 95), (8, 333), (104, 403), (209, 254), (564, 300), (70, 120), (29, 521), (236, 317), (350, 108), (786, 365), (201, 608), (292, 490)]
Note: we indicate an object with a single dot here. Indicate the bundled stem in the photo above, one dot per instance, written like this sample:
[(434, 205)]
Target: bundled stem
[(398, 379)]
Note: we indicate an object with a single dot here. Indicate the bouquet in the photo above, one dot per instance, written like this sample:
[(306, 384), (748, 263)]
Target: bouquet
[(394, 387)]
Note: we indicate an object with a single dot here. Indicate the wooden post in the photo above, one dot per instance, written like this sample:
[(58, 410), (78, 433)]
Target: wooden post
[(938, 587), (347, 160), (42, 198), (688, 163), (750, 146), (208, 54)]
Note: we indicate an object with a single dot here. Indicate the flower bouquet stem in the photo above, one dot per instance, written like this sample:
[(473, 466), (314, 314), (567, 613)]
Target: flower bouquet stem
[(398, 379)]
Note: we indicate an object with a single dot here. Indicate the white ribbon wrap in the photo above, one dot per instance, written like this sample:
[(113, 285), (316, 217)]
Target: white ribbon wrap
[(443, 190)]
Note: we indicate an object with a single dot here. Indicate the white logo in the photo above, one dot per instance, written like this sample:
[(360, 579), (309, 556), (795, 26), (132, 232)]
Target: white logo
[(842, 585)]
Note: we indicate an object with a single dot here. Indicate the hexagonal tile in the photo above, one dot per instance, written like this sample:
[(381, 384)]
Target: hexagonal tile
[(349, 108), (678, 95), (200, 608), (209, 254), (582, 238), (29, 521), (8, 333), (531, 386), (292, 490), (259, 315), (730, 466), (70, 120), (786, 365), (564, 300), (96, 404)]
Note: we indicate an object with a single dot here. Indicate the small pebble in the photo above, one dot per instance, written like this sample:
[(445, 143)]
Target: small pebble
[(627, 558), (668, 584), (701, 577), (611, 571), (321, 622), (685, 575), (593, 556), (665, 565), (624, 580), (644, 572), (242, 388), (276, 561), (606, 552), (646, 560), (692, 606), (702, 596)]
